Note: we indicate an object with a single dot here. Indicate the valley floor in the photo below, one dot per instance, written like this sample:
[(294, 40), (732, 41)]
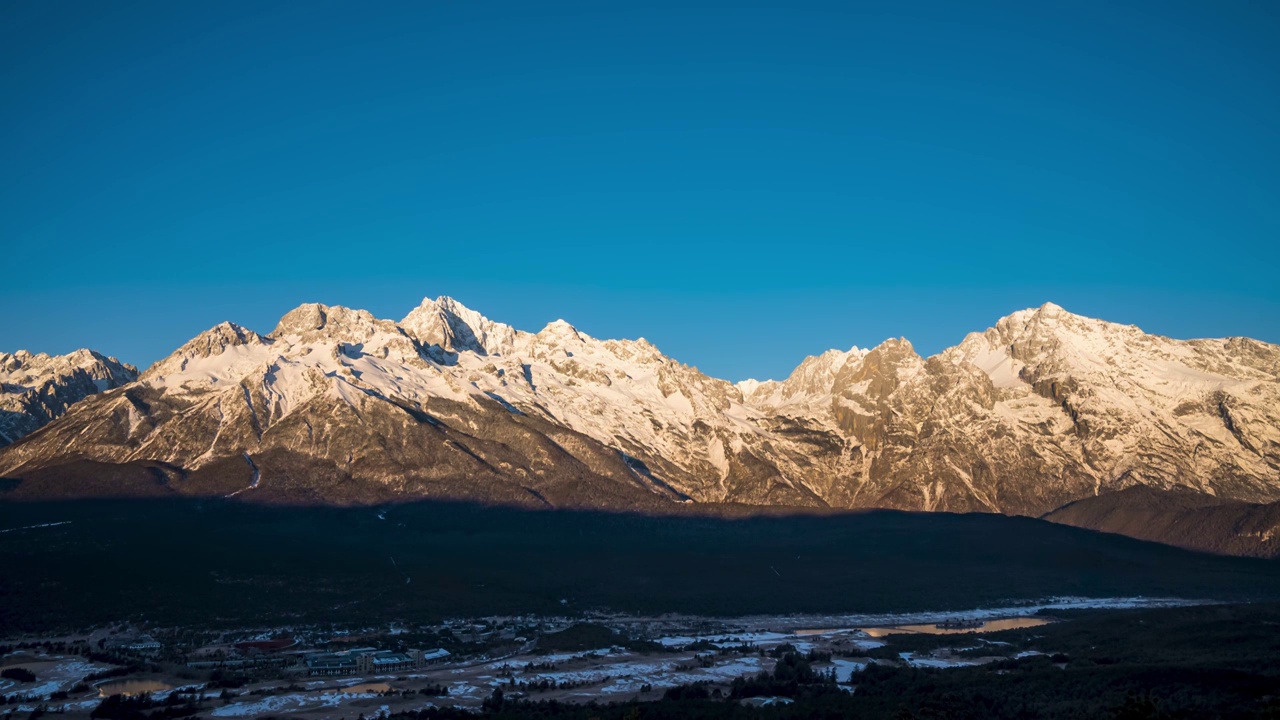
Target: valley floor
[(602, 659)]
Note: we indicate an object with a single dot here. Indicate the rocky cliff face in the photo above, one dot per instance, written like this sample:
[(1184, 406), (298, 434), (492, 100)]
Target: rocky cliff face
[(335, 405), (37, 389)]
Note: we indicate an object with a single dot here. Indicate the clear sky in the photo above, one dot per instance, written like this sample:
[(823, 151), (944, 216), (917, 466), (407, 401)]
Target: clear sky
[(741, 183)]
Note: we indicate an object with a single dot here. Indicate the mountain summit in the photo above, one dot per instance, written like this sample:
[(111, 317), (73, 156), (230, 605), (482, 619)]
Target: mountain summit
[(35, 389), (338, 406)]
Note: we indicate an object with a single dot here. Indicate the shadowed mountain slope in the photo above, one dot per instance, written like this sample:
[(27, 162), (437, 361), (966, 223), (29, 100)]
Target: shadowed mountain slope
[(218, 562)]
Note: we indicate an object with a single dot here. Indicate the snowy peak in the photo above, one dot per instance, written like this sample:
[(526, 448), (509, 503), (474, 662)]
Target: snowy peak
[(1051, 310), (207, 350), (453, 327), (218, 338), (561, 330), (30, 370), (306, 318), (314, 321), (37, 388), (1046, 313), (22, 367), (807, 389), (314, 349)]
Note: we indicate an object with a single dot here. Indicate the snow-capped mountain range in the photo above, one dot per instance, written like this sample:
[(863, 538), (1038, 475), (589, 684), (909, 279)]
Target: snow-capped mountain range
[(335, 405), (36, 389)]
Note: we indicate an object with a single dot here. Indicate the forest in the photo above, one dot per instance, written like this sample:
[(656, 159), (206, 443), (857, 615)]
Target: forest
[(226, 564)]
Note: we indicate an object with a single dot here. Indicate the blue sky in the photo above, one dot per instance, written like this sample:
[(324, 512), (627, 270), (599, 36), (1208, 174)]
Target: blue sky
[(741, 183)]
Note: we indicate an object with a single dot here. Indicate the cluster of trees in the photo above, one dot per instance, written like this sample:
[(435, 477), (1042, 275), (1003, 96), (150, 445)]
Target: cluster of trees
[(582, 636), (48, 647), (144, 707), (18, 674), (222, 679), (22, 675), (109, 673), (547, 684), (792, 677)]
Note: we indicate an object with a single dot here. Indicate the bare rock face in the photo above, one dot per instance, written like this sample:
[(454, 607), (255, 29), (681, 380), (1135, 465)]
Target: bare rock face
[(335, 405), (866, 393), (37, 389), (807, 391)]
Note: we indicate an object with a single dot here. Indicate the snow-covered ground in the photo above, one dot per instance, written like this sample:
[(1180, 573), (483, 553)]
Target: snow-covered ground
[(287, 703), (823, 624), (929, 661), (625, 672), (844, 667), (52, 674)]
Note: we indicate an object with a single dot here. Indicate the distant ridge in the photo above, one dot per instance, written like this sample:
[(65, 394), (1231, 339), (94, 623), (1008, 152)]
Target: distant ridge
[(336, 406), (35, 389)]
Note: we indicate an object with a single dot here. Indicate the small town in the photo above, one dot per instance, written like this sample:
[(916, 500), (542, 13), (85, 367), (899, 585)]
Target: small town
[(334, 673)]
